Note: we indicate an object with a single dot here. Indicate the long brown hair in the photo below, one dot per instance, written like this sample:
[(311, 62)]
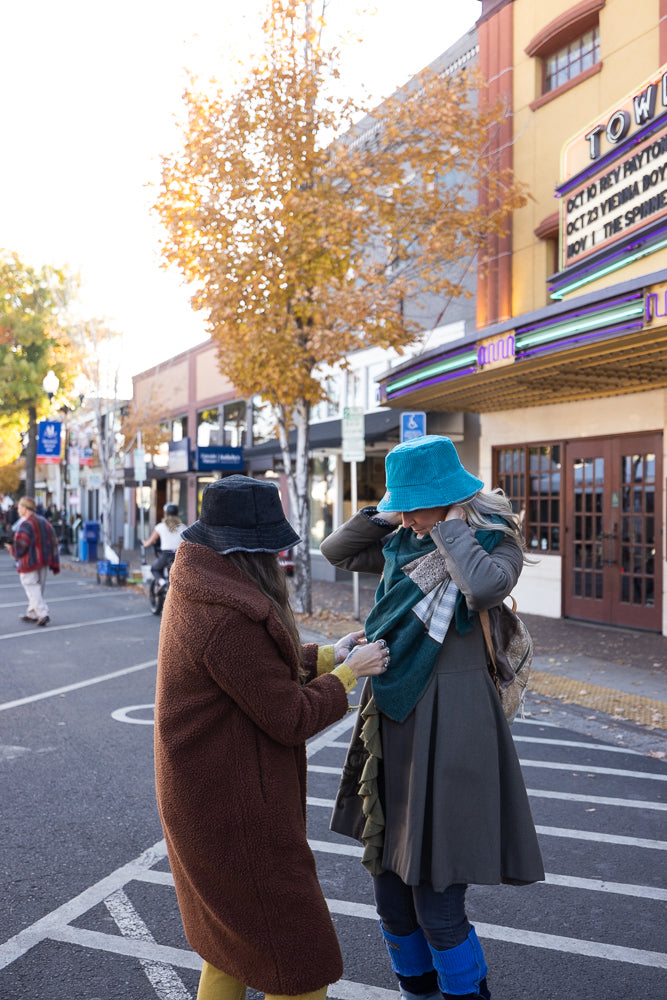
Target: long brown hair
[(264, 570)]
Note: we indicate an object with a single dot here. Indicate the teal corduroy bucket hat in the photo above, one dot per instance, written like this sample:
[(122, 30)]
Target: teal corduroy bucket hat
[(426, 472)]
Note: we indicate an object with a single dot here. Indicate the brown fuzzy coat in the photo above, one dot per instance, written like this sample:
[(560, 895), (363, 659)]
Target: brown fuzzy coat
[(231, 721)]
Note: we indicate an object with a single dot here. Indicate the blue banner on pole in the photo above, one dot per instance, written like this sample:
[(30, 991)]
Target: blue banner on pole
[(48, 442)]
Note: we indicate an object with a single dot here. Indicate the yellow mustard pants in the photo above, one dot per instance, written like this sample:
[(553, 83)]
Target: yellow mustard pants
[(217, 985)]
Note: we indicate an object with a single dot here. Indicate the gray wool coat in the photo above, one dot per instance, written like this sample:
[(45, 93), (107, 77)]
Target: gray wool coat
[(452, 791)]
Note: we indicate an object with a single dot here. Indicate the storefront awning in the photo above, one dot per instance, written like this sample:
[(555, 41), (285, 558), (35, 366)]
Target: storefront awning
[(601, 344)]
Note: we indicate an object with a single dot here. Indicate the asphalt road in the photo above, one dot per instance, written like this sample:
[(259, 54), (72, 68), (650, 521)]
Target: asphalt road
[(87, 907)]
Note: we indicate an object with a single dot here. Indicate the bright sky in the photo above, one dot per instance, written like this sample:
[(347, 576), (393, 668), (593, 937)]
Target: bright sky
[(90, 92)]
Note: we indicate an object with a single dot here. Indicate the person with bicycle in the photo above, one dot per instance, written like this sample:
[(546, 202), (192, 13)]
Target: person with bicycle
[(168, 533)]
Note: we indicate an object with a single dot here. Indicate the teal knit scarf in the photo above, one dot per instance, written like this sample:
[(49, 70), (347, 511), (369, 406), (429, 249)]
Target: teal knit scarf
[(413, 651)]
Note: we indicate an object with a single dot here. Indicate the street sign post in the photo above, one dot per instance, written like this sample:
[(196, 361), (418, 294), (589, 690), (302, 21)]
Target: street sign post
[(354, 444), (354, 450), (413, 425)]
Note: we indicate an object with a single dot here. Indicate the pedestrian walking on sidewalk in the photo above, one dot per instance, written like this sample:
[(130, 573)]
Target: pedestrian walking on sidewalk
[(441, 803), (237, 697), (35, 549)]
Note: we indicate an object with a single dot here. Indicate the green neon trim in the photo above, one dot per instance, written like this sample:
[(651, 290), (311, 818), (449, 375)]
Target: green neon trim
[(434, 369), (580, 324), (623, 262)]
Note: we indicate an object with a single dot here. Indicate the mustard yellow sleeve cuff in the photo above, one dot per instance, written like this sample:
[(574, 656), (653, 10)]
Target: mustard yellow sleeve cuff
[(326, 660), (345, 676)]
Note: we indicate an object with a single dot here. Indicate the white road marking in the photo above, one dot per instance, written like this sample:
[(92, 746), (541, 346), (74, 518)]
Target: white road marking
[(104, 595), (75, 687), (605, 748), (345, 990), (535, 722), (122, 715), (600, 800), (602, 838), (554, 831), (325, 739), (542, 794), (56, 926), (588, 769), (45, 928), (569, 881), (61, 628), (534, 939), (167, 984)]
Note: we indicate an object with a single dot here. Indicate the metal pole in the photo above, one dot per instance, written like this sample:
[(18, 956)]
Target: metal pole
[(141, 497), (355, 576)]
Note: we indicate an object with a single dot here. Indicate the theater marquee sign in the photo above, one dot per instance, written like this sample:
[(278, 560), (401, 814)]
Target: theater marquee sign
[(614, 174)]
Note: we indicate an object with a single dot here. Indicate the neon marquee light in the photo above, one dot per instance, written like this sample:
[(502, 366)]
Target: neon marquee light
[(496, 351)]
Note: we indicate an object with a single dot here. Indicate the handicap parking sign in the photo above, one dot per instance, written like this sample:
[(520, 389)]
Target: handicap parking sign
[(413, 425)]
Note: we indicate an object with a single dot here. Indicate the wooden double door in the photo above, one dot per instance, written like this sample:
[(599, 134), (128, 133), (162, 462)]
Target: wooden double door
[(613, 530)]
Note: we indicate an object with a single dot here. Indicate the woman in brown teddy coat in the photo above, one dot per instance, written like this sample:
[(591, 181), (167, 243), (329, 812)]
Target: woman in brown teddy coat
[(237, 697)]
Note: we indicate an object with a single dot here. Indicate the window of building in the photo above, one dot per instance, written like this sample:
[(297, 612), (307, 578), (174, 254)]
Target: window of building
[(263, 421), (329, 409), (530, 475), (234, 424), (209, 431), (567, 50), (572, 59), (179, 428)]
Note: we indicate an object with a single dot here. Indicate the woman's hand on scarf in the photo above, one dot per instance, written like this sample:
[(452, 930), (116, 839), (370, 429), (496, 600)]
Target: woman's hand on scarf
[(369, 659), (345, 645)]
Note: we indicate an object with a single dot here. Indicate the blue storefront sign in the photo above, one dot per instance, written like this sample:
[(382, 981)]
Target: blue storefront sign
[(48, 442), (215, 458)]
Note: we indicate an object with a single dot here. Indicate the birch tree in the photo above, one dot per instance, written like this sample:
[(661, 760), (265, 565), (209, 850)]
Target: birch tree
[(99, 348), (306, 243)]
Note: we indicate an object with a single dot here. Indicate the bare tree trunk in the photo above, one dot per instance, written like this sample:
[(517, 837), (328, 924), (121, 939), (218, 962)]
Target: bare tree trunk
[(297, 472), (31, 452)]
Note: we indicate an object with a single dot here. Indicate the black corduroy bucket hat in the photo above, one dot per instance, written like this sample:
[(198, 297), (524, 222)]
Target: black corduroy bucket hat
[(240, 514)]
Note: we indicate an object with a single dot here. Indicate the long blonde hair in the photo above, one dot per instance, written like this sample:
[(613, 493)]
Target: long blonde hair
[(264, 570), (486, 506)]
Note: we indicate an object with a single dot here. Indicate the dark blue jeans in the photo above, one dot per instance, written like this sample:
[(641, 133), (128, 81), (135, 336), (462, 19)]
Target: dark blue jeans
[(404, 908)]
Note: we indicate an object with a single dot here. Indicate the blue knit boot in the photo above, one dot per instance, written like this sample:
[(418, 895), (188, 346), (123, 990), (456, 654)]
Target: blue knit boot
[(462, 970), (411, 961)]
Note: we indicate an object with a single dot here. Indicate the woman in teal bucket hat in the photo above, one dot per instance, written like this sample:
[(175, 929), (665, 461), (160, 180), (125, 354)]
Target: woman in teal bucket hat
[(432, 785)]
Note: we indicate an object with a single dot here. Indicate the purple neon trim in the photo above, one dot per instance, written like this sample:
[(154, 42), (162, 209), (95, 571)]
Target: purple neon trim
[(434, 361), (613, 154), (543, 349), (579, 338), (603, 260), (446, 377), (569, 316)]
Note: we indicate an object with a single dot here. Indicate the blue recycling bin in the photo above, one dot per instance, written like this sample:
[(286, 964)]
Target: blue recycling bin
[(88, 540)]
